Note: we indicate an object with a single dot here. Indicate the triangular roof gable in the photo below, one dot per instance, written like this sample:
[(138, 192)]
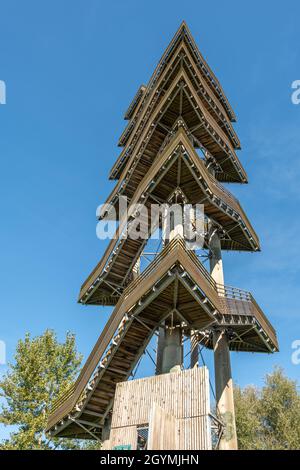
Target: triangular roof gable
[(182, 58), (183, 34), (216, 190), (204, 128), (208, 73)]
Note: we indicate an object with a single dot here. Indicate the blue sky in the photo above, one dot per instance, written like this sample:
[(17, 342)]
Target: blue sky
[(71, 69)]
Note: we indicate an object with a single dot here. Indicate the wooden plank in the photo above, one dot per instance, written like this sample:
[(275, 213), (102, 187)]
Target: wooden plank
[(162, 429)]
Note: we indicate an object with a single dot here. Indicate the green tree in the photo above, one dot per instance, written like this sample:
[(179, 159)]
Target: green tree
[(42, 370), (247, 418), (269, 418)]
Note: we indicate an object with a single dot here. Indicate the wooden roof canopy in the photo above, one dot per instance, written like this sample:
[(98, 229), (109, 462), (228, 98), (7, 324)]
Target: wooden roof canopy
[(182, 61), (182, 113), (179, 100)]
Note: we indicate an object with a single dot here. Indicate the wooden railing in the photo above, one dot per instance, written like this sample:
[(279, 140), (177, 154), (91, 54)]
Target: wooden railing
[(168, 248), (60, 400), (150, 268), (261, 317), (219, 185)]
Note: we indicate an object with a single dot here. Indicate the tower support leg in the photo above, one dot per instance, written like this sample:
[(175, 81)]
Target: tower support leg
[(169, 350), (224, 390), (160, 350), (216, 263), (223, 377)]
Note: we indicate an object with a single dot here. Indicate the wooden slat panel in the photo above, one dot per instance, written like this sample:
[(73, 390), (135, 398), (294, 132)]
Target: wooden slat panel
[(163, 430), (172, 392), (120, 437), (176, 401)]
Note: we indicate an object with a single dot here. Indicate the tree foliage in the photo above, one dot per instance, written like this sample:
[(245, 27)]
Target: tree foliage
[(269, 418), (42, 370)]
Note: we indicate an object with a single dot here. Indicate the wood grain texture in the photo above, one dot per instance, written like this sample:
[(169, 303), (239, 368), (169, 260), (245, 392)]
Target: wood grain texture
[(175, 406)]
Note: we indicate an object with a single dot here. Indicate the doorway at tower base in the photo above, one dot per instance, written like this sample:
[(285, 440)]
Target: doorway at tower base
[(164, 412)]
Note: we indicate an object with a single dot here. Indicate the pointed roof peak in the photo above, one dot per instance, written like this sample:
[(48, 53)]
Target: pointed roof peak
[(182, 29), (185, 30), (183, 25)]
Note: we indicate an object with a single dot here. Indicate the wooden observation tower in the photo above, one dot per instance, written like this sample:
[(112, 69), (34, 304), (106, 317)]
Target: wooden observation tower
[(178, 148)]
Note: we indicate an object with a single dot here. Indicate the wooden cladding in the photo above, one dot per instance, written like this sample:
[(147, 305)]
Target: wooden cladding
[(177, 405)]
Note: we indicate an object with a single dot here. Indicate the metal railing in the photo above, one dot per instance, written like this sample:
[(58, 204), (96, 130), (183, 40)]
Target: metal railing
[(216, 183), (233, 293)]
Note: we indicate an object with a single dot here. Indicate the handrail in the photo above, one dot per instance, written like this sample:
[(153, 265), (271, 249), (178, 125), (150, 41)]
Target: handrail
[(134, 102), (61, 399), (200, 266), (262, 315), (233, 293), (149, 268), (177, 240), (222, 188)]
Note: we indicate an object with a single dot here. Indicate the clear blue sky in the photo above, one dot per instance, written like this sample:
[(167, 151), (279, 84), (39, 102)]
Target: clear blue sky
[(71, 69)]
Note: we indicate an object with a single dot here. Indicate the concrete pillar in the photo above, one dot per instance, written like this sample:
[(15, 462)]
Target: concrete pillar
[(224, 390), (169, 347), (160, 350), (223, 379), (172, 352), (216, 263), (169, 356)]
